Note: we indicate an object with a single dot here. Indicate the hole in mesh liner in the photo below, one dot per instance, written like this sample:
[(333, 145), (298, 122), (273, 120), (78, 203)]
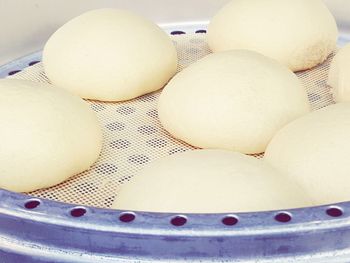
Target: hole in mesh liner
[(148, 97), (321, 83), (127, 217), (97, 107), (138, 159), (177, 32), (178, 221), (201, 31), (32, 63), (32, 204), (106, 168), (283, 217), (86, 187), (157, 143), (13, 72), (153, 113), (313, 97), (52, 196), (197, 41), (176, 150), (193, 51), (119, 144), (115, 126), (229, 220), (124, 179), (109, 200), (146, 129), (78, 212), (126, 110), (335, 212)]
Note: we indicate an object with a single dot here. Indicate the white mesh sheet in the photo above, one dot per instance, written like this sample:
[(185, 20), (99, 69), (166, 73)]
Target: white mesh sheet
[(134, 137)]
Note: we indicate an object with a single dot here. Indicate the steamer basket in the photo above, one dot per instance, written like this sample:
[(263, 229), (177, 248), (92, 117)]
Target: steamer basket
[(71, 222)]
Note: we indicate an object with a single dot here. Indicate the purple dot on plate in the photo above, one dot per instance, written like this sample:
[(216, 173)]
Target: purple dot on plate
[(78, 212), (13, 72), (127, 217), (177, 32), (178, 221), (229, 220), (283, 217), (334, 212), (32, 63), (32, 204)]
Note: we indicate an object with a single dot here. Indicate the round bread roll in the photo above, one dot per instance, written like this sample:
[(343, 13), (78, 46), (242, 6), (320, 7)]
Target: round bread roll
[(234, 100), (47, 135), (209, 181), (314, 150), (339, 75), (109, 55), (298, 33)]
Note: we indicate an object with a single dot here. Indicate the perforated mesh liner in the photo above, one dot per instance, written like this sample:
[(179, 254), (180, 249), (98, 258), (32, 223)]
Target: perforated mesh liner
[(133, 135)]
